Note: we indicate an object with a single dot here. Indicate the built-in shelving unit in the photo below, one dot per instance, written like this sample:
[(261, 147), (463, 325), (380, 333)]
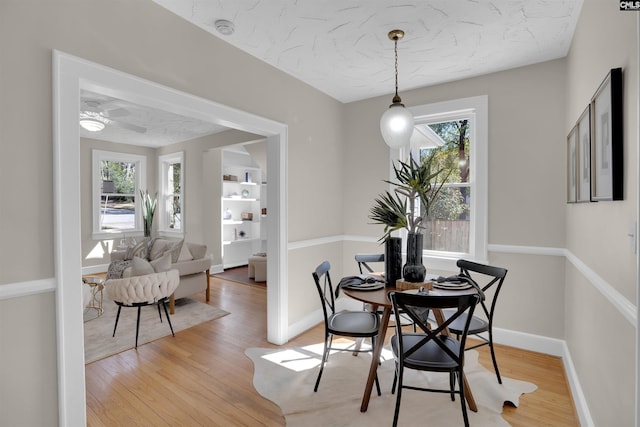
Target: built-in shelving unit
[(242, 194)]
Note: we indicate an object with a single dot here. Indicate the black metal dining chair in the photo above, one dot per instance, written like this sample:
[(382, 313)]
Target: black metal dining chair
[(494, 278), (430, 349), (354, 324), (364, 260)]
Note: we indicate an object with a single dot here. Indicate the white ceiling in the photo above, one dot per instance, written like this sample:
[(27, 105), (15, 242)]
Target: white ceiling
[(341, 46), (129, 123)]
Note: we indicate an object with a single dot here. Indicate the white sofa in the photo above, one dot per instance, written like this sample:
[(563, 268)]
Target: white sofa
[(190, 259)]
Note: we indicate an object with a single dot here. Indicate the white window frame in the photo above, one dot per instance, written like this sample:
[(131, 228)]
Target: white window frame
[(476, 110), (141, 172), (164, 162)]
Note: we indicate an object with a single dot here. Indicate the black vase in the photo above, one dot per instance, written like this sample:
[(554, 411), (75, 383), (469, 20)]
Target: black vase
[(392, 260), (413, 270)]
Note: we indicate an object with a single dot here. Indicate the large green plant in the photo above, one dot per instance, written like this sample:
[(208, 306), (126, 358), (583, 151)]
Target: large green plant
[(148, 210), (414, 181)]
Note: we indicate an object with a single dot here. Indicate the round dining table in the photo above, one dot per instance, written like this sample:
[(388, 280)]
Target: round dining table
[(379, 298)]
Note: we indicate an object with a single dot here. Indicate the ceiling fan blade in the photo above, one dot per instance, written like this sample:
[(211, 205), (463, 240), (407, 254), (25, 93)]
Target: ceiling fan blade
[(116, 112), (129, 126)]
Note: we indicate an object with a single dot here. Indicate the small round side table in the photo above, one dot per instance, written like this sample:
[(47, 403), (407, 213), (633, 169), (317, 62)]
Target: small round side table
[(97, 286)]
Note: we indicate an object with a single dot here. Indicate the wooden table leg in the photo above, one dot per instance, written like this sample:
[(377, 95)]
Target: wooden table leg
[(375, 358), (208, 291), (471, 402)]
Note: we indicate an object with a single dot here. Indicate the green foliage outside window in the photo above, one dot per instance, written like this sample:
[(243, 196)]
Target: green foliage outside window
[(123, 175), (452, 202)]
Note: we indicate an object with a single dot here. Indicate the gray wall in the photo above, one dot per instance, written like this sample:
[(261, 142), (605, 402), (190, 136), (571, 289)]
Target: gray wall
[(526, 205), (597, 232), (142, 39), (531, 110)]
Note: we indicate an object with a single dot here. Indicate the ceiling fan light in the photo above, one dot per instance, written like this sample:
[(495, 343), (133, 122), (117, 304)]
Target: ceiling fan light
[(92, 125), (396, 126)]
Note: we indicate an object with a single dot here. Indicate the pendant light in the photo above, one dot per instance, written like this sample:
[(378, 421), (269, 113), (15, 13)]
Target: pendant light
[(396, 124)]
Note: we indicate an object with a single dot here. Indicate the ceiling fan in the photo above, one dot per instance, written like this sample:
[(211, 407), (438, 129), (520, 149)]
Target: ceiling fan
[(95, 116)]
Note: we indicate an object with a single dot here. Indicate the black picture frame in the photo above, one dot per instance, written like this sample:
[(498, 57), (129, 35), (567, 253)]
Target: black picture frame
[(607, 139), (583, 157), (572, 185)]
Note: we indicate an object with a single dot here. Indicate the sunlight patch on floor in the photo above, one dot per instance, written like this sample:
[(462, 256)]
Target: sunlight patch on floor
[(309, 357)]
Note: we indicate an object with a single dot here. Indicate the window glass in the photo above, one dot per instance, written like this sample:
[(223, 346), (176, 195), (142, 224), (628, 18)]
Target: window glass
[(449, 217), (171, 198), (117, 196), (455, 132), (117, 181)]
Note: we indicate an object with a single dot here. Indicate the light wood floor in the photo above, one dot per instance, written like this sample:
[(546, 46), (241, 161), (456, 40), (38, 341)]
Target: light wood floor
[(202, 377)]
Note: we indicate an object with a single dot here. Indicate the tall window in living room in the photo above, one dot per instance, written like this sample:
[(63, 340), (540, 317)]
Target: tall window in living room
[(117, 181), (170, 198), (456, 131)]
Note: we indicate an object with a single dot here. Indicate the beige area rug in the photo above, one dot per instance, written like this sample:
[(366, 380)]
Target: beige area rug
[(98, 342), (287, 376)]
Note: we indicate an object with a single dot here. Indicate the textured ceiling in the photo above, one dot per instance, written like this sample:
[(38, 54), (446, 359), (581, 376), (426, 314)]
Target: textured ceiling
[(129, 123), (341, 46)]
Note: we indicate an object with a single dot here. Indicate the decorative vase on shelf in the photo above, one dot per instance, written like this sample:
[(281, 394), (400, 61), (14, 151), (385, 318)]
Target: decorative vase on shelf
[(392, 260), (414, 271)]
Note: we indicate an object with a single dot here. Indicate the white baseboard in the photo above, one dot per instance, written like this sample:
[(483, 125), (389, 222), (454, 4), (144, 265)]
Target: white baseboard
[(531, 342), (315, 317), (304, 324), (218, 268), (579, 399)]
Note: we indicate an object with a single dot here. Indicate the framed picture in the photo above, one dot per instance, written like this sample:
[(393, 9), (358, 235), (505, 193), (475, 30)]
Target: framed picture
[(583, 156), (606, 149), (572, 185)]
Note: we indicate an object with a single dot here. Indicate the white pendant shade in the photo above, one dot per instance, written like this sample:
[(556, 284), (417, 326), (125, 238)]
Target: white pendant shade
[(396, 126)]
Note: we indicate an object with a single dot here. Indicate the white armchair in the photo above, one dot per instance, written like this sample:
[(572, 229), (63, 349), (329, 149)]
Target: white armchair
[(139, 291)]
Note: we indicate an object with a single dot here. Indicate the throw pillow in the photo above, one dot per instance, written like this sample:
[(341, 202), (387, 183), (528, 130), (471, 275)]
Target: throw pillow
[(117, 268), (158, 248), (162, 264), (140, 267), (139, 250), (185, 253), (174, 250)]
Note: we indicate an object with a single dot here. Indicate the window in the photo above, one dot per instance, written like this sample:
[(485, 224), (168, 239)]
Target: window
[(457, 225), (170, 200), (117, 180)]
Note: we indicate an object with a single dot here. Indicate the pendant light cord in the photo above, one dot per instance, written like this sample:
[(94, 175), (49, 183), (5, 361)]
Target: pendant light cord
[(395, 40)]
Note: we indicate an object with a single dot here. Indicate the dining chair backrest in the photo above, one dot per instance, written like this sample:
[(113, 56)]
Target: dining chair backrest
[(414, 305), (324, 286), (364, 260), (432, 349), (495, 278)]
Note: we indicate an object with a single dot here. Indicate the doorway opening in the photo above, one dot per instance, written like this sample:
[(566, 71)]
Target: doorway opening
[(72, 74)]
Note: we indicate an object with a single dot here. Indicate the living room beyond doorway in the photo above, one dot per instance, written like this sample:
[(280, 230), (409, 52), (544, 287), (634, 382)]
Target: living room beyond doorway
[(240, 275)]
